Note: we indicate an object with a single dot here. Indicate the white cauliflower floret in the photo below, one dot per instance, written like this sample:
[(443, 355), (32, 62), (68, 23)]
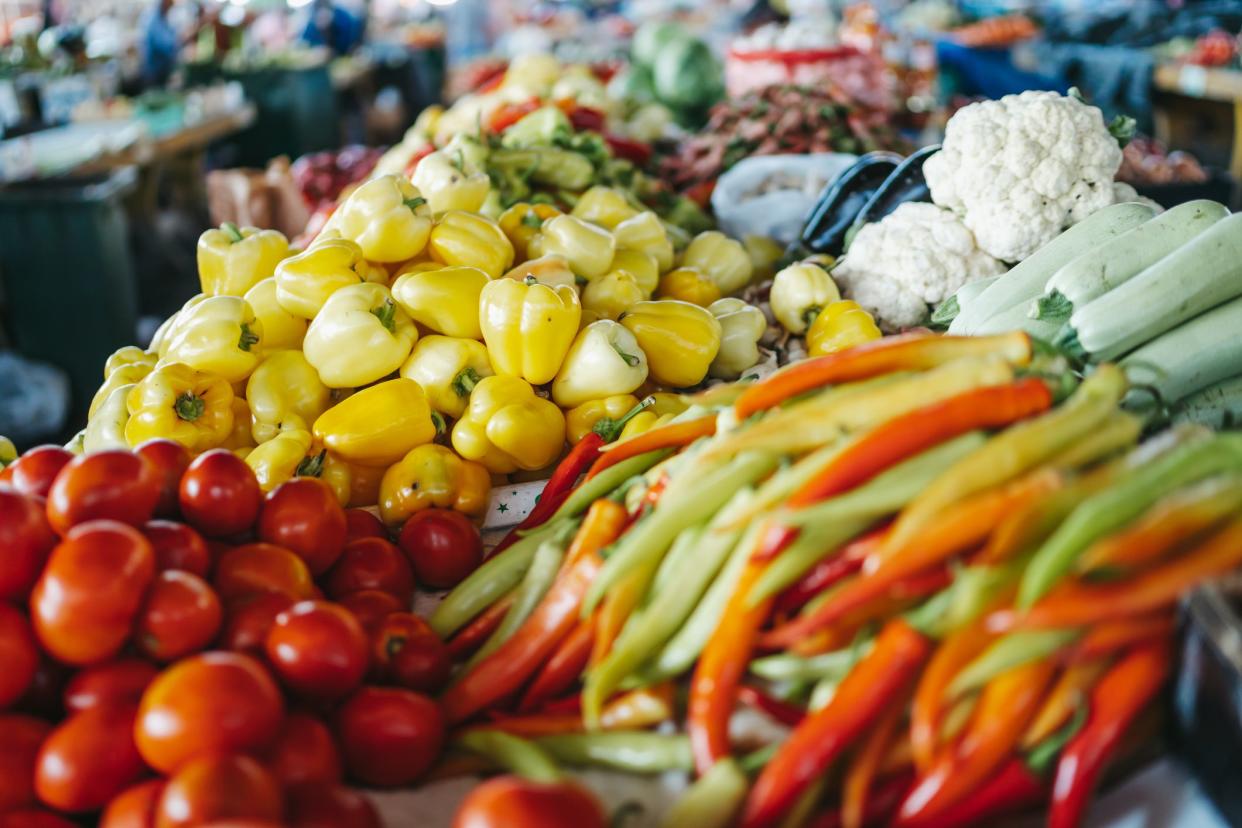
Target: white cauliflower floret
[(1021, 169), (915, 257)]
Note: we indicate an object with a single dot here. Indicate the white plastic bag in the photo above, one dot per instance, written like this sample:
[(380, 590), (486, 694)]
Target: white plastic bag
[(778, 213)]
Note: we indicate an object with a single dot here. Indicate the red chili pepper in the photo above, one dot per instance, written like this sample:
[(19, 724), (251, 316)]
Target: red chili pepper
[(880, 806), (781, 711), (584, 118), (701, 193), (827, 574), (673, 435), (563, 668), (1116, 702), (630, 150), (1111, 636), (506, 115), (472, 636), (865, 765), (1012, 789), (874, 683), (912, 351)]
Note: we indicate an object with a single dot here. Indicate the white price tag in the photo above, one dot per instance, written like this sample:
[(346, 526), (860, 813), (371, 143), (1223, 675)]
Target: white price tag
[(1192, 80)]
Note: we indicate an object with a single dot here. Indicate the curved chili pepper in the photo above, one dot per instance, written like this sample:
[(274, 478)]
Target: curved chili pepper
[(480, 629), (957, 650), (864, 767), (563, 668), (673, 435), (1012, 789), (880, 806), (1065, 698), (1111, 636), (829, 572), (781, 711)]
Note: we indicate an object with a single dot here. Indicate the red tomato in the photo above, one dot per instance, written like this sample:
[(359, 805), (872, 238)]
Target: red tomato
[(170, 460), (88, 760), (85, 602), (107, 485), (261, 567), (44, 696), (119, 682), (329, 806), (34, 471), (19, 655), (443, 546), (405, 651), (20, 738), (370, 606), (304, 752), (303, 515), (177, 546), (134, 807), (209, 703), (34, 818), (25, 539), (372, 563), (514, 802), (389, 736), (359, 523), (212, 788), (248, 620), (318, 649), (219, 495), (181, 615)]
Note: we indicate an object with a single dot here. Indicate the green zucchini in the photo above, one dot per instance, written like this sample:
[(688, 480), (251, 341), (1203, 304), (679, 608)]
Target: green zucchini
[(949, 309), (1017, 318), (1218, 406), (1118, 260), (1198, 276), (1027, 278), (1189, 358)]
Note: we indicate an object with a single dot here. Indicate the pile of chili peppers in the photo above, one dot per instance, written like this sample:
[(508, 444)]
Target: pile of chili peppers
[(947, 567)]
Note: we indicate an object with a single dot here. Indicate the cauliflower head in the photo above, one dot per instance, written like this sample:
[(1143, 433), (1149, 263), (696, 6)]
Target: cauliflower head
[(1021, 169), (915, 257)]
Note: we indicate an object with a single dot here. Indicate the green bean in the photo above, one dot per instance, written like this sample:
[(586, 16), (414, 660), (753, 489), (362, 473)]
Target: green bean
[(539, 577), (521, 756), (632, 751), (787, 667), (1012, 650), (754, 761), (603, 484), (713, 800)]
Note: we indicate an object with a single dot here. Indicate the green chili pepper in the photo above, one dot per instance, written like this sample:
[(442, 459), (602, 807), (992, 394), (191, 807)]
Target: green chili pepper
[(632, 751), (538, 580), (788, 667), (604, 483), (512, 753), (713, 800), (1012, 650)]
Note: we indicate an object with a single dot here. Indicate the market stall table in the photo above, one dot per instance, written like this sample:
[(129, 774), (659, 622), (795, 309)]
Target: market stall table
[(1179, 120)]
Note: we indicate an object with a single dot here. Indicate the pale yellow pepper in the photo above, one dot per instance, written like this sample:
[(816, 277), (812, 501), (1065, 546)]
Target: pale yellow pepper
[(360, 335), (528, 327), (284, 386), (122, 374), (741, 326), (444, 299), (220, 335), (449, 183), (604, 206), (448, 369), (688, 284), (281, 329), (159, 341), (429, 477), (8, 452), (604, 360), (551, 270), (378, 425), (240, 439), (387, 217), (607, 412), (646, 234), (507, 427), (521, 223), (181, 404), (587, 248), (839, 326), (642, 266), (278, 459), (723, 259), (305, 281), (105, 429), (612, 294), (127, 356), (664, 407), (764, 254), (799, 293), (679, 339), (231, 260), (470, 240)]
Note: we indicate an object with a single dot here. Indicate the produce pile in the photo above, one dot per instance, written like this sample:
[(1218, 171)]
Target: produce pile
[(322, 176)]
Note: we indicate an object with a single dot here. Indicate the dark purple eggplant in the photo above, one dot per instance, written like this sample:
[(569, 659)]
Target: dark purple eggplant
[(842, 200), (906, 183)]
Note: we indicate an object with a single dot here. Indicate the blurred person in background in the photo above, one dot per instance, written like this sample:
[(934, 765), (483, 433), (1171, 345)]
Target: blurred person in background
[(161, 44), (333, 26)]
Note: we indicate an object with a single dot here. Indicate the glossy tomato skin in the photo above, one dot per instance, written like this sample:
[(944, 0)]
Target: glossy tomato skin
[(256, 568), (359, 523), (371, 563), (34, 471), (177, 546), (118, 683), (170, 459), (107, 485), (329, 806), (219, 787), (19, 655), (427, 666), (318, 649), (88, 759), (304, 516), (514, 802), (26, 538), (370, 607), (211, 703), (84, 604), (133, 807), (389, 736), (20, 739), (249, 619), (180, 615), (442, 545), (304, 752), (219, 495)]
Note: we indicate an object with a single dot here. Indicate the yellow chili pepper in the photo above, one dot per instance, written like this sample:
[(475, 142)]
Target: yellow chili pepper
[(604, 360), (664, 407), (378, 425), (528, 327), (105, 428), (432, 476), (232, 260), (799, 293), (521, 223), (587, 248), (646, 234), (175, 401), (448, 369), (448, 183), (278, 459), (741, 326), (281, 329), (689, 284), (839, 326), (642, 266), (220, 336), (469, 240), (582, 419), (679, 339), (604, 206), (551, 270), (359, 336), (240, 437), (305, 281), (387, 217), (507, 427), (284, 386), (723, 259), (612, 294), (445, 299)]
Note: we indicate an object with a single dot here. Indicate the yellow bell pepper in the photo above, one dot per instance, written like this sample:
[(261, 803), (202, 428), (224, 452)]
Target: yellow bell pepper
[(528, 327), (162, 335), (74, 446), (689, 284), (387, 217), (764, 254), (284, 386), (240, 437), (521, 223), (587, 248), (448, 369), (360, 336), (445, 300), (604, 206), (507, 427), (799, 293), (336, 473), (378, 425), (8, 452), (278, 459), (469, 240), (608, 412), (281, 329), (305, 281), (723, 259), (175, 401), (127, 356), (646, 234), (664, 408), (449, 183), (612, 294), (232, 260), (105, 429), (839, 326), (432, 476), (741, 327), (679, 339), (129, 374), (604, 360), (220, 335), (551, 270), (363, 482), (642, 266)]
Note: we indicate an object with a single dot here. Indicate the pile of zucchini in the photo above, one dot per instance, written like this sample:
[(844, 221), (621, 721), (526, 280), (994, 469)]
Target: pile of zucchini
[(1160, 293)]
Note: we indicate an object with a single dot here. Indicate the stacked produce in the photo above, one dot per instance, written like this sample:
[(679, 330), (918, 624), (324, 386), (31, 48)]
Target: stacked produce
[(671, 67)]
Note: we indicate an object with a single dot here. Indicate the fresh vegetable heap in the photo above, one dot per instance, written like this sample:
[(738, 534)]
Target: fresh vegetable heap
[(671, 67), (322, 176)]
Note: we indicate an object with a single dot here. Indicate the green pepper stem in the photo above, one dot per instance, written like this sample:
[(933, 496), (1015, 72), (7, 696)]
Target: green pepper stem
[(232, 232), (311, 466), (414, 203), (809, 314), (189, 406), (441, 424), (610, 429), (387, 315), (465, 381), (247, 338), (629, 359)]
